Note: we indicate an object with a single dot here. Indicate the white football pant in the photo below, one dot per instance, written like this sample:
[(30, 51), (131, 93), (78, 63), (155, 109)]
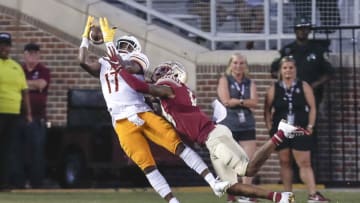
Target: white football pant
[(227, 156)]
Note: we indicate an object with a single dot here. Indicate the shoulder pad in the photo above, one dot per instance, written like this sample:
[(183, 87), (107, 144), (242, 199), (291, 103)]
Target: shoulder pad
[(141, 59)]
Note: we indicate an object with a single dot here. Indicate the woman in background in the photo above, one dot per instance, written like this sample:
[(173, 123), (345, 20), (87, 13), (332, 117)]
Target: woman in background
[(293, 100), (238, 94)]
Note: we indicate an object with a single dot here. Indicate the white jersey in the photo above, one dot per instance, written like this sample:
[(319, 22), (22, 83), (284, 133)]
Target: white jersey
[(122, 101)]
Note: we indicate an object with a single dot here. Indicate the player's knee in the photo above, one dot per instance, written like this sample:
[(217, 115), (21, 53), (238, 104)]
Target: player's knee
[(179, 148), (146, 164), (149, 169)]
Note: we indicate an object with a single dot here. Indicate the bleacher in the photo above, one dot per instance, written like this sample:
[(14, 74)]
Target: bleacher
[(227, 28)]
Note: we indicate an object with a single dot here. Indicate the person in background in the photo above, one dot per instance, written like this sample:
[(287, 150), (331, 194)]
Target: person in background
[(312, 65), (202, 9), (310, 57), (251, 17), (13, 95), (238, 94), (292, 99), (329, 12), (33, 134)]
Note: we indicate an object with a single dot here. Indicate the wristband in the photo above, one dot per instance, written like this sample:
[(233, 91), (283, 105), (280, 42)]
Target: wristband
[(310, 126), (84, 42)]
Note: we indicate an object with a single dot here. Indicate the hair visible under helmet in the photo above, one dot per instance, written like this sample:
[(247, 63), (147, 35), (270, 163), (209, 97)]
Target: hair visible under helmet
[(169, 69), (128, 43)]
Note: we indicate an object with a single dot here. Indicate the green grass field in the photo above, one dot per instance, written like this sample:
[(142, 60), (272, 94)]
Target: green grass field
[(185, 195)]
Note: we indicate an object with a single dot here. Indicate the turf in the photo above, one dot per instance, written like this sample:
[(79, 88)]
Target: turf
[(146, 196)]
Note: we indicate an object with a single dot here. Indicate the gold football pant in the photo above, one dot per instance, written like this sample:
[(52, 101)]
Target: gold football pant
[(133, 141)]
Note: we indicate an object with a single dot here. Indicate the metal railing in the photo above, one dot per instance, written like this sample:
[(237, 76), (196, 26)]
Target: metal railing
[(230, 24), (337, 151)]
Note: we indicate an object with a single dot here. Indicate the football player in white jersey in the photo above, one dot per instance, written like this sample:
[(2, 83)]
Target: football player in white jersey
[(133, 120)]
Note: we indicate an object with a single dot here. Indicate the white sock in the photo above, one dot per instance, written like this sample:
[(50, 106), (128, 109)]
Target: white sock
[(174, 200), (193, 160), (210, 179), (158, 182)]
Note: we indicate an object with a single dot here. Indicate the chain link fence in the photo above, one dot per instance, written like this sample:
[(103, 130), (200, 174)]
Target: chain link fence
[(244, 24)]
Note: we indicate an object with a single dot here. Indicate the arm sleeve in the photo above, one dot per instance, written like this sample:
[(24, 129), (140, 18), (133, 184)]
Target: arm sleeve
[(135, 83)]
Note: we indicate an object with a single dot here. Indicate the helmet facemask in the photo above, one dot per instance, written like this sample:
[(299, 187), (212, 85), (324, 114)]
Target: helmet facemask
[(128, 44), (160, 71), (170, 69)]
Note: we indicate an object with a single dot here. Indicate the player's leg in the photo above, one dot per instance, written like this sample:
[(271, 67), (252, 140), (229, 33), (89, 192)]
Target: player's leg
[(137, 148), (222, 146), (237, 189), (162, 133), (225, 161), (249, 146), (259, 158), (258, 192), (194, 161), (285, 131)]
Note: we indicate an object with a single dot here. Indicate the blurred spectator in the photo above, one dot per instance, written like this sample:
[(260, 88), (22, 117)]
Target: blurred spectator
[(238, 94), (251, 17), (202, 9), (13, 95), (292, 99), (328, 11), (31, 136)]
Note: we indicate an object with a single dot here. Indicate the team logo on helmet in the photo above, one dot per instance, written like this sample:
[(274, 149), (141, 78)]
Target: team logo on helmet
[(128, 44)]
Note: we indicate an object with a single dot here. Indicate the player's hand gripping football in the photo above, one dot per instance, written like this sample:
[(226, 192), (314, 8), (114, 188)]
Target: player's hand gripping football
[(108, 32), (114, 59), (89, 23)]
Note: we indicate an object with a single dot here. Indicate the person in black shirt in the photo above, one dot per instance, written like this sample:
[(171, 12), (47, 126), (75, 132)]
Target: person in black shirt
[(292, 99), (310, 57)]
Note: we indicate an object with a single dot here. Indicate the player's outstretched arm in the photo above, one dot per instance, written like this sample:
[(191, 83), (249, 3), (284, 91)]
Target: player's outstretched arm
[(91, 67), (143, 87)]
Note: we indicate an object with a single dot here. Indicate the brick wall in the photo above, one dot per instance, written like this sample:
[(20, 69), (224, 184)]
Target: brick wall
[(59, 52), (336, 155)]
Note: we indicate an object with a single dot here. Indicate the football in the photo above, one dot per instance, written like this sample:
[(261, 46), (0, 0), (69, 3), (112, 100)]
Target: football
[(95, 35)]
